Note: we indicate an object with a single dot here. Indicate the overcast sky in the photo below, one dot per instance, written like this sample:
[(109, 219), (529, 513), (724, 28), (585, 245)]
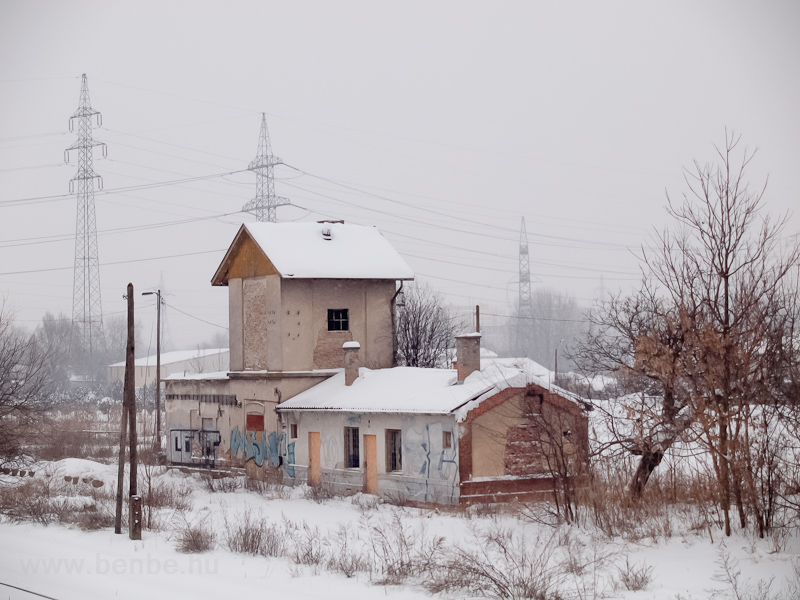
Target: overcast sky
[(442, 123)]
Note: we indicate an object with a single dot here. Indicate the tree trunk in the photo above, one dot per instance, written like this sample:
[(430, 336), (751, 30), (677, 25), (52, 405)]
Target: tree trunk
[(647, 464)]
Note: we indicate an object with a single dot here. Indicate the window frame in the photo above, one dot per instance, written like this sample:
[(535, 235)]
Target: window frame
[(338, 319), (352, 448), (447, 439), (394, 451), (293, 431)]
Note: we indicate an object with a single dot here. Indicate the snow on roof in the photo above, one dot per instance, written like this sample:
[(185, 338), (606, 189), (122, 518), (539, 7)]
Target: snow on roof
[(301, 250), (413, 390), (203, 376), (168, 358)]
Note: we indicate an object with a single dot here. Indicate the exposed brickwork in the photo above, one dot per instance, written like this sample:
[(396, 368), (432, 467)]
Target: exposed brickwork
[(547, 420), (465, 451), (328, 352), (523, 456), (255, 324)]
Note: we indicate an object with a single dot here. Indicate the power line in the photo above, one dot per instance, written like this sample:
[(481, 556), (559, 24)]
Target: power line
[(193, 317), (39, 199), (119, 262)]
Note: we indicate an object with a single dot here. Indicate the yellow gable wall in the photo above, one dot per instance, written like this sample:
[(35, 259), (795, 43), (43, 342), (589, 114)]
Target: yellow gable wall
[(489, 436), (249, 261)]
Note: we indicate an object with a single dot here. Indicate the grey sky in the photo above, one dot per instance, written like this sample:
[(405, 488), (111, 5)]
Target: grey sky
[(440, 123)]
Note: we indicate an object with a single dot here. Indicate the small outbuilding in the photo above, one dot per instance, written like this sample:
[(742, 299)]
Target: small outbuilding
[(437, 435)]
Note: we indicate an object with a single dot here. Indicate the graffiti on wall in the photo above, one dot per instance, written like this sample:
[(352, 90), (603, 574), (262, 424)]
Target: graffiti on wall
[(423, 451), (255, 447)]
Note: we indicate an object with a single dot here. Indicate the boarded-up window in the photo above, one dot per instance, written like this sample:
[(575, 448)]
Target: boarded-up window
[(351, 455), (394, 450), (255, 422), (447, 439)]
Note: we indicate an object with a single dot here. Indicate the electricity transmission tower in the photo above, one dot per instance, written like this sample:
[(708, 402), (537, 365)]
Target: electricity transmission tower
[(525, 307), (265, 202), (524, 325), (87, 312)]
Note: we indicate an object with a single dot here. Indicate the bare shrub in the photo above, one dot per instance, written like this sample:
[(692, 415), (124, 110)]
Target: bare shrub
[(95, 518), (348, 558), (223, 484), (194, 536), (366, 503), (270, 491), (634, 577), (249, 533), (401, 551), (319, 493), (28, 501), (729, 574), (505, 565), (307, 544)]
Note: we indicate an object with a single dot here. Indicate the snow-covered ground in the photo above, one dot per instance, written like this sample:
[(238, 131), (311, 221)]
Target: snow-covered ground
[(67, 563)]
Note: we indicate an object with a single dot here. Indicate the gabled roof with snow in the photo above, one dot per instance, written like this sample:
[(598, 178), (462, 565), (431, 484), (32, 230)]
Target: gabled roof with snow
[(320, 251), (168, 358), (413, 390)]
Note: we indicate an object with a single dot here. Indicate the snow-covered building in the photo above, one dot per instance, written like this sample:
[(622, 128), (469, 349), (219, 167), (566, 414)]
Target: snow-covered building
[(297, 292), (179, 361), (487, 430), (312, 396)]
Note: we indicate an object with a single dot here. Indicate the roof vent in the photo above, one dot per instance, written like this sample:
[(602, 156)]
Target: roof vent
[(326, 233)]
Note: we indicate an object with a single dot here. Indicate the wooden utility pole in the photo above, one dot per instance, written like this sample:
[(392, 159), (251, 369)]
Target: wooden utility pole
[(128, 391), (135, 502)]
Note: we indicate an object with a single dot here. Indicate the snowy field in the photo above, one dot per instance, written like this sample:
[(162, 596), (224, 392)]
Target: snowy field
[(309, 547)]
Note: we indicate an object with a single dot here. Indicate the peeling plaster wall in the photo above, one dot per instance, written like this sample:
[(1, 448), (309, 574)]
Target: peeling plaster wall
[(255, 395), (429, 471), (282, 324)]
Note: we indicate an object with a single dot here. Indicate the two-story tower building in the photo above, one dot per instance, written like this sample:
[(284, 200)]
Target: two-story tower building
[(297, 292)]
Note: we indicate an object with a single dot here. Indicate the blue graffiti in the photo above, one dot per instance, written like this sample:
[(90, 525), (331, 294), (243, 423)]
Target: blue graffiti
[(290, 461), (353, 419), (272, 449), (255, 448)]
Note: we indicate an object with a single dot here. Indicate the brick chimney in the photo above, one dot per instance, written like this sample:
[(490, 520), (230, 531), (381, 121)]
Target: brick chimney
[(468, 355), (350, 362)]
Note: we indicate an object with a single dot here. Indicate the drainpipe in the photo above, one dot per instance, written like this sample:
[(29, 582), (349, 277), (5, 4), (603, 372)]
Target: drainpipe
[(394, 324)]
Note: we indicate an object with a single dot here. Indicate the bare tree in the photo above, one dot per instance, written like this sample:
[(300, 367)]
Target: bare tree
[(55, 333), (709, 324), (638, 339), (25, 383), (423, 329)]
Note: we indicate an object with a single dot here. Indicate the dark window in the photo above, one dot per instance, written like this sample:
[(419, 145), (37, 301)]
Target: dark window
[(447, 439), (394, 450), (338, 319), (293, 430), (351, 457)]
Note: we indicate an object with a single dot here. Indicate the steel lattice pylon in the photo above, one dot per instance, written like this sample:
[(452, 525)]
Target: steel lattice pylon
[(265, 202), (525, 307), (87, 311)]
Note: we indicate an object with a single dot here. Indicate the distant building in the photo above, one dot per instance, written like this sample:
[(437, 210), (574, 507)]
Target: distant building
[(180, 361)]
